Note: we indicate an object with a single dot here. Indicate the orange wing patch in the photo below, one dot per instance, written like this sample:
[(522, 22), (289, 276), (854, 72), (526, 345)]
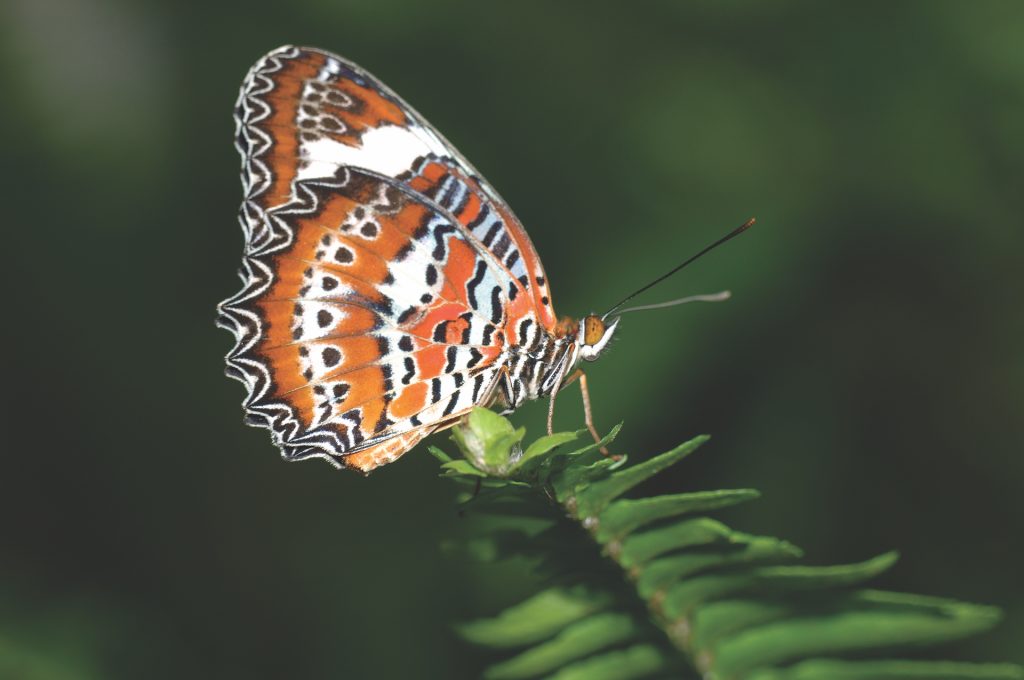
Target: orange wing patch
[(388, 451)]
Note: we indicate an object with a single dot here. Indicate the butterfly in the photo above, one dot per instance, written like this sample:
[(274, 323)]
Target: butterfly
[(387, 287)]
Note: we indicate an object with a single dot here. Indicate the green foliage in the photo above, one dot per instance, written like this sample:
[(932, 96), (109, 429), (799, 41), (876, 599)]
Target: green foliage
[(649, 587)]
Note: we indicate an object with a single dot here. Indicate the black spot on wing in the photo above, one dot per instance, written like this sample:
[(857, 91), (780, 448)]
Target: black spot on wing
[(501, 247), (466, 332), (492, 234), (440, 245), (450, 406), (383, 422), (471, 286), (496, 309), (480, 216), (406, 315), (403, 252), (457, 210), (331, 356), (446, 187), (524, 330)]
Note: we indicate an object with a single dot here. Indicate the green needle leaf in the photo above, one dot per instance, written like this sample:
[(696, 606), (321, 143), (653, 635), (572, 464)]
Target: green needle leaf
[(639, 548), (542, 447), (838, 632), (659, 574), (536, 619), (639, 661), (578, 640), (596, 497), (826, 669), (623, 516), (684, 596)]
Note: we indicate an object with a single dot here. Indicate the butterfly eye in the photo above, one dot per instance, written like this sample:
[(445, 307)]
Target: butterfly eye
[(593, 330), (594, 336)]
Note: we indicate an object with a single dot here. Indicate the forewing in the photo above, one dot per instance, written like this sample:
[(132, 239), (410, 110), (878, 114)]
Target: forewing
[(304, 113)]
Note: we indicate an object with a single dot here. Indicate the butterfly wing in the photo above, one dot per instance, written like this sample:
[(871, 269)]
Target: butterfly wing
[(384, 279), (303, 113)]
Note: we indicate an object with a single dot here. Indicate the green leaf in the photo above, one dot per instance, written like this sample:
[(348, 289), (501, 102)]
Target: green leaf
[(684, 596), (487, 439), (801, 577), (623, 516), (659, 574), (439, 454), (536, 619), (828, 669), (462, 467), (572, 471), (542, 447), (639, 548), (638, 661), (596, 497), (719, 620), (844, 631), (578, 640)]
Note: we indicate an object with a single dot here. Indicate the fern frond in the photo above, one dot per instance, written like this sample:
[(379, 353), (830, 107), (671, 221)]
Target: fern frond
[(650, 587)]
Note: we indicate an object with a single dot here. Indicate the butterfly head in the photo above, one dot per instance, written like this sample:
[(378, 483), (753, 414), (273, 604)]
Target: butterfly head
[(593, 335)]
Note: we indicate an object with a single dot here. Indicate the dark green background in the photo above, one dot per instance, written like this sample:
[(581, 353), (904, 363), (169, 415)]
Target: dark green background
[(868, 375)]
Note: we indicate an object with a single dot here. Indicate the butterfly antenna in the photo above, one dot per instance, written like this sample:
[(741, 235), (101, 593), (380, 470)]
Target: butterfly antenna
[(713, 297), (732, 234)]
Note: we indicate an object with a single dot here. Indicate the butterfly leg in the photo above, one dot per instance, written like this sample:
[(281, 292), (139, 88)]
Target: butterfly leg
[(551, 409), (588, 414)]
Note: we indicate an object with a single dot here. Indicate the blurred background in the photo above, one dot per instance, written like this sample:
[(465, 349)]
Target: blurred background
[(867, 376)]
